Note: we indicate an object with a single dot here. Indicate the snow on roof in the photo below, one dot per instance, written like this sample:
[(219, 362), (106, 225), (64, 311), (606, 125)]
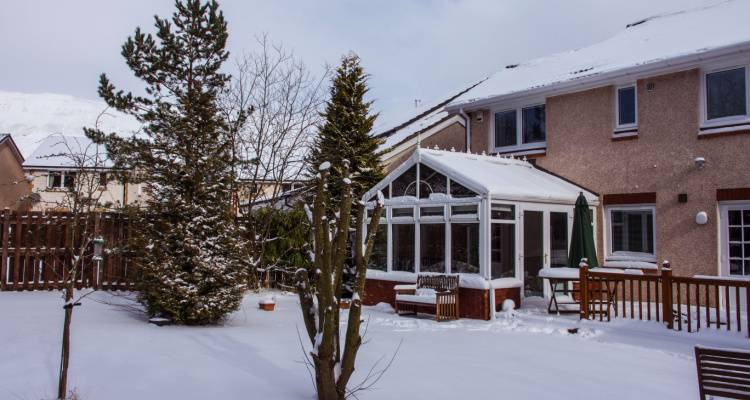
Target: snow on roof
[(642, 43), (31, 118), (62, 152), (500, 177)]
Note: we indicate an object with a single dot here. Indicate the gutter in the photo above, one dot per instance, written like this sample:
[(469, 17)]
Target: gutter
[(668, 65), (468, 128)]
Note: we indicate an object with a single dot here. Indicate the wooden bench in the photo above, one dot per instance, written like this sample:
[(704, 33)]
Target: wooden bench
[(724, 373), (435, 293)]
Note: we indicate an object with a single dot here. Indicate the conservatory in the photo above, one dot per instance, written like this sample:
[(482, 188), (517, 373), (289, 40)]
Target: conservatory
[(495, 221)]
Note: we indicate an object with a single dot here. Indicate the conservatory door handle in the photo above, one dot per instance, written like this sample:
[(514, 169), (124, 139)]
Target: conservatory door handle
[(545, 258)]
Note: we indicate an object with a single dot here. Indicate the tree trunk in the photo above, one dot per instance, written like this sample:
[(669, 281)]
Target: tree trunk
[(62, 388)]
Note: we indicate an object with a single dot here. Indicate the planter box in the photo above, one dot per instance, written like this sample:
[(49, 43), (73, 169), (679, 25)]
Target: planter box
[(344, 304), (267, 306)]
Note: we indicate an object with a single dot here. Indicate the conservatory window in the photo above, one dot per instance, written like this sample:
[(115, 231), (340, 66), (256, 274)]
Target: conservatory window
[(464, 210), (459, 190), (558, 239), (432, 211), (626, 107), (432, 247), (503, 244), (379, 257), (407, 212), (402, 242), (631, 230), (431, 181), (503, 211), (465, 248), (726, 94), (405, 184)]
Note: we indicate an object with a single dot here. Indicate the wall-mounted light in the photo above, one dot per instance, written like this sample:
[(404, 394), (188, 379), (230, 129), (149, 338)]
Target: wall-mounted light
[(700, 162), (701, 218)]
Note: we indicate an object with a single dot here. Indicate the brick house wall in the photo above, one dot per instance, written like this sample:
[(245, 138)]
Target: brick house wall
[(13, 187)]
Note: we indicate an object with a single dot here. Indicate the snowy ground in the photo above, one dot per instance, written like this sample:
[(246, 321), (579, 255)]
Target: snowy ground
[(256, 355)]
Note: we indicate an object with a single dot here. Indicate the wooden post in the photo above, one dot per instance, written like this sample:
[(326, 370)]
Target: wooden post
[(5, 238), (666, 290), (583, 286)]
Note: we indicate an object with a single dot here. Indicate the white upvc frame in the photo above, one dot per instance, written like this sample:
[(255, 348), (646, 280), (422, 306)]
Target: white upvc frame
[(724, 121), (608, 228), (518, 107), (724, 208), (630, 126)]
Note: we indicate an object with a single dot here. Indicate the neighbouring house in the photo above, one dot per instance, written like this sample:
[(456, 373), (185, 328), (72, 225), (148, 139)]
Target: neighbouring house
[(14, 189), (281, 194), (655, 121), (53, 167)]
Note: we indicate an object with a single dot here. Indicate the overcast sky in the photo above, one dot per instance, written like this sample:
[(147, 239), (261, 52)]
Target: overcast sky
[(416, 49)]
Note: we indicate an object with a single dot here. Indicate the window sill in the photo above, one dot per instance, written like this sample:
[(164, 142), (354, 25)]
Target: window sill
[(538, 150), (624, 134), (723, 130)]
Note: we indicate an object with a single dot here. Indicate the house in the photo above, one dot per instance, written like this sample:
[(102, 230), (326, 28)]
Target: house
[(54, 167), (655, 121), (14, 189)]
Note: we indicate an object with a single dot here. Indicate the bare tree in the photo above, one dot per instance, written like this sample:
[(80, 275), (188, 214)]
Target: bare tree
[(273, 104), (81, 198), (320, 286)]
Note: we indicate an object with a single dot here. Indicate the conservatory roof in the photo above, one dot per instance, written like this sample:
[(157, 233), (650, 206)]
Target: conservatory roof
[(501, 178)]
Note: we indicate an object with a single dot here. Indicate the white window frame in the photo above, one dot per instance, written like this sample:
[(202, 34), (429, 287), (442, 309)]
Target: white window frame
[(518, 108), (724, 208), (732, 120), (62, 179), (625, 127), (608, 230)]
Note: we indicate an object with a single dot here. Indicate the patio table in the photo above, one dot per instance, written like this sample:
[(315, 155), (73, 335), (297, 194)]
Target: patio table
[(559, 279)]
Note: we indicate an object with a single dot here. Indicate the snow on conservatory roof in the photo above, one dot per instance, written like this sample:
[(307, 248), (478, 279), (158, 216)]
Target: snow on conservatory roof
[(502, 178), (662, 41)]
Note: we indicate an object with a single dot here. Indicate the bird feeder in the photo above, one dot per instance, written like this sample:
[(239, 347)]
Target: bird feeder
[(98, 248)]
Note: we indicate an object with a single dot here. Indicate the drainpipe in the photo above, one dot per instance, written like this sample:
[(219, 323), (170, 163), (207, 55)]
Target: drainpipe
[(468, 129)]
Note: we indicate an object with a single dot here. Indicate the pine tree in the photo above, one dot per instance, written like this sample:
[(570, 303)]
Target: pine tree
[(187, 242), (345, 134)]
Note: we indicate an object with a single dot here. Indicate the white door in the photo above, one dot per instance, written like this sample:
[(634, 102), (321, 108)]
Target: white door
[(545, 240), (734, 223)]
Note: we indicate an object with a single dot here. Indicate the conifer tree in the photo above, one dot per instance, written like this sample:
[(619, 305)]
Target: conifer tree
[(188, 248), (345, 133)]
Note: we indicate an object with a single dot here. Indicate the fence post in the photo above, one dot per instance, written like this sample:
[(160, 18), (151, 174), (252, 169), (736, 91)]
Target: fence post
[(666, 290), (583, 286), (5, 238)]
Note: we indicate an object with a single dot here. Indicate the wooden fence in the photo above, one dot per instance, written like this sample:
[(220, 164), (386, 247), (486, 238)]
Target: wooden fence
[(37, 251), (681, 303)]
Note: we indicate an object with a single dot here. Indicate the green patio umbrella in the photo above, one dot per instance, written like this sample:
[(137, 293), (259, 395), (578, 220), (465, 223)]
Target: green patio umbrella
[(582, 241)]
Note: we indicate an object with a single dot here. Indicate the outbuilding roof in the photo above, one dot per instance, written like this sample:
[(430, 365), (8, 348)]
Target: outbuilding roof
[(661, 41), (65, 152), (502, 178)]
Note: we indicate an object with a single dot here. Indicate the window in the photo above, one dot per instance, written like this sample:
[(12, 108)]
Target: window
[(54, 180), (726, 94), (405, 184), (459, 190), (465, 248), (59, 180), (103, 179), (431, 181), (631, 230), (503, 211), (626, 107), (431, 211), (503, 256), (432, 247), (402, 212), (403, 247), (69, 179), (379, 257), (739, 241), (468, 210), (521, 128), (558, 239)]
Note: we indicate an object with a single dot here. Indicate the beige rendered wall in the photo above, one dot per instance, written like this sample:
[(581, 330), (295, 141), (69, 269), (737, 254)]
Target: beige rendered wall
[(52, 199), (13, 187), (452, 136), (660, 160)]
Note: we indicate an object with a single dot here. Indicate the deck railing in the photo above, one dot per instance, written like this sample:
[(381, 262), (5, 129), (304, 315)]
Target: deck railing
[(680, 302)]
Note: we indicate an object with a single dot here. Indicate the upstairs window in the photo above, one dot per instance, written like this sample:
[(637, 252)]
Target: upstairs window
[(521, 128), (726, 94), (626, 107), (60, 180)]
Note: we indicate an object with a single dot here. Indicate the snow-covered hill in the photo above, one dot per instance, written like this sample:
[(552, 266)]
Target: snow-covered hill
[(30, 118)]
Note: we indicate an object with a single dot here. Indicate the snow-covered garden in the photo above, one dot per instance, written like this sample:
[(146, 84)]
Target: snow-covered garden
[(116, 354)]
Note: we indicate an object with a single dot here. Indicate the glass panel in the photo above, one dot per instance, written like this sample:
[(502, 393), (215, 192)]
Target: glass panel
[(632, 230), (747, 268), (534, 129), (54, 180), (432, 247), (505, 128), (402, 212), (558, 239), (735, 250), (403, 247), (747, 233), (735, 217), (469, 209), (746, 217), (735, 267), (459, 190), (735, 234), (431, 181), (503, 242), (436, 211), (405, 184), (725, 93), (626, 106), (533, 252), (503, 211), (70, 178), (465, 248), (379, 257)]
